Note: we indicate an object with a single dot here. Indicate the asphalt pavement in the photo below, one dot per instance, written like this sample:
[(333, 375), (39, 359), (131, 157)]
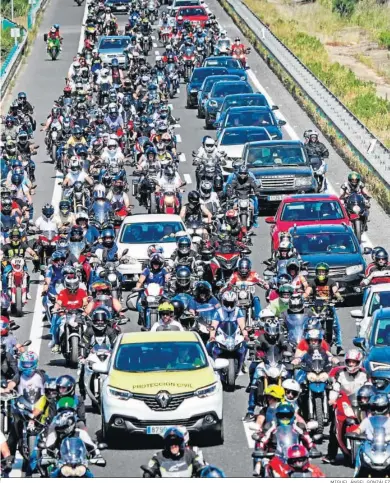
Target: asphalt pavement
[(43, 81)]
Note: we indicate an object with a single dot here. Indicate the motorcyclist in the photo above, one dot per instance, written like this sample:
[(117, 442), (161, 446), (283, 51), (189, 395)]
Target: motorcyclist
[(238, 45), (298, 462), (204, 303), (378, 405), (48, 221), (9, 368), (314, 339), (325, 288), (354, 184), (99, 327), (109, 303), (166, 321), (10, 130), (170, 180), (243, 186), (107, 245), (313, 146), (380, 261), (90, 232), (208, 196), (299, 281), (281, 304), (76, 173), (194, 209), (174, 457), (184, 254)]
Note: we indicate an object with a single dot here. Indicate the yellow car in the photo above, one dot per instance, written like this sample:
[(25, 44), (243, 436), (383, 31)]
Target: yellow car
[(155, 380)]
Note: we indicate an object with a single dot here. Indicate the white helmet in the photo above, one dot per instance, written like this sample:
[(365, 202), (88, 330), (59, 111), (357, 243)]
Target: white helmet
[(267, 314), (229, 300), (294, 386), (112, 145), (104, 73), (209, 145), (356, 357)]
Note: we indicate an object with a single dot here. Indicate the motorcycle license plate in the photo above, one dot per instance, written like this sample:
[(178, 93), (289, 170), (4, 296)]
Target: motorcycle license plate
[(275, 197), (153, 430)]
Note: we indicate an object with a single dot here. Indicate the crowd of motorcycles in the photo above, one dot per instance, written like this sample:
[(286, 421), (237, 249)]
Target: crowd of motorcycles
[(110, 117)]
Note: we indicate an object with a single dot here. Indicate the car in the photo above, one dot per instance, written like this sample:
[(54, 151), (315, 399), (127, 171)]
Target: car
[(138, 232), (147, 389), (306, 209), (198, 76), (118, 6), (195, 14), (232, 142), (176, 4), (111, 46), (252, 116), (335, 245), (241, 100), (378, 296), (376, 346), (233, 66), (218, 92), (206, 87), (282, 169)]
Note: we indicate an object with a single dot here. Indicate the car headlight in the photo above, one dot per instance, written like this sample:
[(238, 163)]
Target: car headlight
[(303, 181), (354, 269), (243, 77), (206, 391), (213, 103), (194, 91), (119, 393)]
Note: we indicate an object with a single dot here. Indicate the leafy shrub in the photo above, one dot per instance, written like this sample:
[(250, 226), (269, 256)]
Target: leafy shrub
[(21, 8), (7, 43), (384, 38), (344, 8)]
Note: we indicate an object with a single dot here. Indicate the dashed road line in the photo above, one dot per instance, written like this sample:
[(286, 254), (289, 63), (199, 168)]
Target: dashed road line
[(187, 178)]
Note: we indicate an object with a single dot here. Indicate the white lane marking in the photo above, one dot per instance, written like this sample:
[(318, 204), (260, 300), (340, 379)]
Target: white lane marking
[(157, 53), (187, 178), (178, 138), (248, 434), (178, 91), (366, 242), (182, 158), (17, 466), (154, 45), (153, 37)]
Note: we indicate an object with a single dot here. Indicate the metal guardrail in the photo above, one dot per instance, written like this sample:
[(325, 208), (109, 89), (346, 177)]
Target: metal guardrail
[(364, 143)]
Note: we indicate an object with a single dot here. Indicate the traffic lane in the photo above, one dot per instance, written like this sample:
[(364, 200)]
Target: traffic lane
[(338, 171)]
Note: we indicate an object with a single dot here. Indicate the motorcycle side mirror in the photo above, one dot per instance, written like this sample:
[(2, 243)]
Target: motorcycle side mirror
[(102, 446), (270, 220), (125, 252), (193, 153), (247, 67), (42, 123), (27, 343), (102, 463), (367, 250), (177, 119), (45, 37), (268, 273)]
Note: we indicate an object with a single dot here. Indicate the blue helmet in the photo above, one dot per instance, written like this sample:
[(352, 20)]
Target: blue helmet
[(114, 62), (57, 256), (211, 472), (173, 436), (184, 245), (284, 414), (28, 363), (56, 26), (16, 179), (183, 276)]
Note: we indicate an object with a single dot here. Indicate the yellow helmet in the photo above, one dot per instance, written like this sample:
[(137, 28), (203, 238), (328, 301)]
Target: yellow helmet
[(275, 391), (166, 307)]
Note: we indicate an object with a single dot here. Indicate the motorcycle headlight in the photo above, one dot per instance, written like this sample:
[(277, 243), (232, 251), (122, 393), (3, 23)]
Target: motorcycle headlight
[(354, 269), (303, 181), (272, 372), (312, 377), (206, 391), (119, 393), (230, 343), (242, 294), (323, 377), (68, 471), (244, 203), (150, 299), (356, 209), (112, 277), (365, 456), (194, 91)]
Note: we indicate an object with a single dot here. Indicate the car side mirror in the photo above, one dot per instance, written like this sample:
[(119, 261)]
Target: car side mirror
[(281, 122), (359, 342), (275, 108), (220, 364), (217, 125), (125, 252), (367, 250), (357, 314), (270, 220)]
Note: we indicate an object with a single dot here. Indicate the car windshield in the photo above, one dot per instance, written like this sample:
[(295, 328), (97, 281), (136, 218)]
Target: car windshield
[(243, 136), (312, 211), (378, 300), (200, 75), (209, 83), (137, 233), (223, 62), (382, 332), (244, 101), (278, 155), (113, 44), (325, 243), (226, 88), (249, 118), (160, 356), (192, 12), (183, 3)]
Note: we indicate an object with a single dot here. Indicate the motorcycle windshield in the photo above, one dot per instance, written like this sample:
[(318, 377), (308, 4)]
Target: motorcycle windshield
[(76, 248), (355, 199), (99, 211), (285, 438), (273, 355), (171, 68), (228, 327), (189, 51), (73, 452), (49, 234), (142, 140), (295, 325)]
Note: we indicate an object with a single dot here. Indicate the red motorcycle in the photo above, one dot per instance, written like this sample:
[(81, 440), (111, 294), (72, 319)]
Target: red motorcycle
[(346, 422), (168, 202), (225, 260), (17, 286), (240, 54), (46, 246), (277, 468)]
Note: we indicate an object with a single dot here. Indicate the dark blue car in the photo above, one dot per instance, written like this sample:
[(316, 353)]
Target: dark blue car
[(206, 87), (233, 66), (198, 76)]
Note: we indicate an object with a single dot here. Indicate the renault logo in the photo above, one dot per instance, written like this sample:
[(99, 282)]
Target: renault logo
[(163, 398)]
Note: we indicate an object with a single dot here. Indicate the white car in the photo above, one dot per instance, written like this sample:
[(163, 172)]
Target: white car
[(232, 141), (378, 296), (138, 232), (155, 380)]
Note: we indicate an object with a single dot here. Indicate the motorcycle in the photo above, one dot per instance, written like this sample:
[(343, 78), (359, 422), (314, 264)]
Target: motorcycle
[(226, 259), (356, 204), (245, 294), (153, 294), (53, 138), (173, 80), (319, 169), (295, 324), (47, 241), (241, 54), (188, 60), (230, 345), (53, 47), (346, 421), (322, 310), (6, 408), (245, 212), (147, 196), (71, 332), (17, 286), (168, 202)]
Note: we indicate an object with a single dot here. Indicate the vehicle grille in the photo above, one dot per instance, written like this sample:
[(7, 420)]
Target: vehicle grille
[(333, 272), (177, 422), (277, 182), (154, 405)]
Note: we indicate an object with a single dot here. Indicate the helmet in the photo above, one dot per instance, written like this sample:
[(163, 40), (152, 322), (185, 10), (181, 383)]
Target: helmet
[(4, 326), (48, 210), (322, 272), (353, 360), (22, 137), (28, 363), (285, 414), (381, 257), (108, 236), (267, 314), (65, 420), (285, 293), (202, 291), (57, 256), (50, 388), (224, 231), (66, 385), (178, 308), (156, 248), (184, 245), (156, 260), (205, 189), (373, 252), (296, 303), (76, 233), (364, 395), (166, 307), (15, 237), (100, 286), (272, 329), (229, 300), (285, 247), (354, 178), (183, 277), (232, 218), (16, 179), (298, 457), (244, 267), (274, 391), (193, 198), (22, 96), (99, 320), (314, 337), (6, 206), (71, 284), (82, 216), (211, 471), (209, 145), (292, 388), (243, 173), (379, 404), (174, 437), (169, 172), (293, 266)]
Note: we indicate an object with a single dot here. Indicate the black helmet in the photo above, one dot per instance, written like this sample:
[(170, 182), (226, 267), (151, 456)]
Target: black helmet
[(193, 198), (172, 437), (178, 308), (364, 395), (244, 267), (295, 303), (99, 320), (183, 277), (243, 173), (156, 260), (379, 404), (381, 257), (66, 386), (51, 388), (202, 291), (293, 265), (184, 245)]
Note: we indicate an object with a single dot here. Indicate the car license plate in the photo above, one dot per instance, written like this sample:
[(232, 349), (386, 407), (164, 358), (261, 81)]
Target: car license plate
[(121, 7), (275, 197), (160, 430)]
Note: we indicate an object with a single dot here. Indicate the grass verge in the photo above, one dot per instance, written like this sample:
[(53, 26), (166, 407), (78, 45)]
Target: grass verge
[(352, 159)]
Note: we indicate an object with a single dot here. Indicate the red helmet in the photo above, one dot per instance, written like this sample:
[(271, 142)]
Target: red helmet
[(298, 457), (353, 360), (232, 217), (4, 326)]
